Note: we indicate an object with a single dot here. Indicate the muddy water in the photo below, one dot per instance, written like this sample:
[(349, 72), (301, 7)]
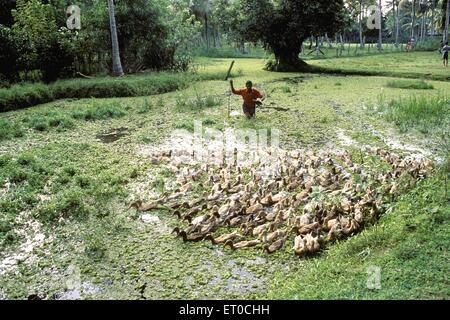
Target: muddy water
[(112, 135)]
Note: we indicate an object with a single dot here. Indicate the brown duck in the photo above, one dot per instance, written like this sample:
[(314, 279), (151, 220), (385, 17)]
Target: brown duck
[(224, 238), (277, 245), (242, 244)]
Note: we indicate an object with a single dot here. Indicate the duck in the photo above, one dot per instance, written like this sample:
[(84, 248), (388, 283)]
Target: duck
[(242, 244), (351, 227), (196, 237), (254, 208), (140, 206), (193, 211), (277, 245), (302, 196), (239, 220), (312, 243), (299, 245), (273, 236), (257, 231), (304, 229), (208, 226), (335, 230), (267, 201), (224, 238)]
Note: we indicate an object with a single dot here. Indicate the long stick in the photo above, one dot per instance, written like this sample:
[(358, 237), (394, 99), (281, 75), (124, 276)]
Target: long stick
[(229, 70), (229, 94)]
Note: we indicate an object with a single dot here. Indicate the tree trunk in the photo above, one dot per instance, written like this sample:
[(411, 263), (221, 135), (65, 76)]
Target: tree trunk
[(413, 21), (206, 31), (380, 31), (330, 45), (447, 18), (433, 13), (117, 70), (397, 27), (361, 43), (287, 60)]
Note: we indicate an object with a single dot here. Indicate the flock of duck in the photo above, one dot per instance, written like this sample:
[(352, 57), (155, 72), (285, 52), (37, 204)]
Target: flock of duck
[(311, 199)]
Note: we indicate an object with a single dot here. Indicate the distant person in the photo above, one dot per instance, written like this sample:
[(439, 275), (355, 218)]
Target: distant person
[(445, 50), (408, 46), (251, 98)]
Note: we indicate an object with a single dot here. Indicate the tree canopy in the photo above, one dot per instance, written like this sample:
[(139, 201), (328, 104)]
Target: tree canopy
[(283, 25)]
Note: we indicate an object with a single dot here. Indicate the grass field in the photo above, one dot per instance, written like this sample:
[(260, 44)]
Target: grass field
[(65, 191)]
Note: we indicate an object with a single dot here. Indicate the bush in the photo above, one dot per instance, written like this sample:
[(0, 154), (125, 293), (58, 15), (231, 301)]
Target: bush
[(8, 55), (44, 121), (409, 84), (55, 61), (146, 106), (26, 95), (423, 113), (198, 103), (430, 44), (99, 112), (10, 129), (69, 204)]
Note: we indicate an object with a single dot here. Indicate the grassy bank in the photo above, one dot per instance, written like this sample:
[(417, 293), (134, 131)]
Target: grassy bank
[(421, 65), (26, 95)]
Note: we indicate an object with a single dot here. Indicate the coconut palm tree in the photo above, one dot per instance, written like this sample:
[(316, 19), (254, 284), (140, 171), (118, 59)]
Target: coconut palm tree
[(380, 31), (117, 70), (202, 10), (447, 18), (361, 39), (397, 21), (433, 16), (413, 21)]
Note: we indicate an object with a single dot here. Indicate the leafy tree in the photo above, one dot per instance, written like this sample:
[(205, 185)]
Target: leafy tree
[(283, 25), (8, 55), (6, 17), (36, 37)]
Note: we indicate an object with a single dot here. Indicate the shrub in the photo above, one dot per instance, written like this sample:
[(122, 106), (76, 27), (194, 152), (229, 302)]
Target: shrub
[(10, 129), (26, 95), (146, 106), (99, 112), (409, 84), (422, 112), (198, 103)]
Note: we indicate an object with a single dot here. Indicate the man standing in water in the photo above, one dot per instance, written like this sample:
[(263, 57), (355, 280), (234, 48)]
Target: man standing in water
[(445, 50), (250, 96)]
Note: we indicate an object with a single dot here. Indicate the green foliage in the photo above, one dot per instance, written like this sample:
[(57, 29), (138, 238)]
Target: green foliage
[(146, 106), (70, 203), (421, 112), (409, 84), (10, 129), (37, 41), (429, 44), (8, 55), (283, 26), (49, 119), (21, 96), (197, 103), (99, 112)]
